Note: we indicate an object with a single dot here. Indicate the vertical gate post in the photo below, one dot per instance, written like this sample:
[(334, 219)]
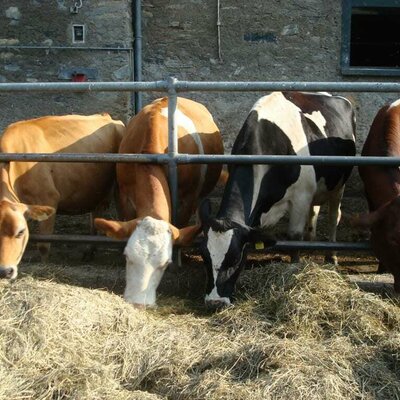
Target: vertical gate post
[(173, 148), (137, 63), (172, 163)]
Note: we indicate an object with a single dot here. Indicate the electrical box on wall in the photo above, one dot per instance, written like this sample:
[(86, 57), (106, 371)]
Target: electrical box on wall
[(78, 33)]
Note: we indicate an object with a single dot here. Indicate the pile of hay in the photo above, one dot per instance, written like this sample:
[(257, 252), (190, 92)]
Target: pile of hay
[(295, 333)]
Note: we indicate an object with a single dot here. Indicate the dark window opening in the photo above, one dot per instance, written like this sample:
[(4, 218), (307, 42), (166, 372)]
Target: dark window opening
[(78, 34), (375, 37), (370, 37)]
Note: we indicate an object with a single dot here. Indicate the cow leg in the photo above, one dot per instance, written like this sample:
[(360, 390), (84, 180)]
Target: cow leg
[(381, 268), (46, 227), (396, 284), (311, 230), (334, 215), (99, 211), (297, 223), (89, 253), (186, 210), (126, 208)]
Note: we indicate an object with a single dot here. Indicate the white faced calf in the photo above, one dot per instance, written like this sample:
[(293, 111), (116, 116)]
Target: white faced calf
[(148, 253)]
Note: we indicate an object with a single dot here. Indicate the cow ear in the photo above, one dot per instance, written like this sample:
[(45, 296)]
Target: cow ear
[(205, 211), (116, 229), (260, 236), (38, 213), (184, 236)]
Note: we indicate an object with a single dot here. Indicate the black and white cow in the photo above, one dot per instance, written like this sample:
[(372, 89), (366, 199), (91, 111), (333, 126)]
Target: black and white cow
[(257, 196)]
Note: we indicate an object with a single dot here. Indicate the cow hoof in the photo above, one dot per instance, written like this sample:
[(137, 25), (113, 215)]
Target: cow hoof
[(331, 260), (88, 255), (295, 259)]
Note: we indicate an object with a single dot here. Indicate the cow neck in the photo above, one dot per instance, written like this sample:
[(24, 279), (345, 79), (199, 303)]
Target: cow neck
[(237, 198), (6, 190), (152, 197)]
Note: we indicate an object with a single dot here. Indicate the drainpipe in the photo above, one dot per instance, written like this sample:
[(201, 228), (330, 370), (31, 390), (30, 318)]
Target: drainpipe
[(137, 51), (219, 30)]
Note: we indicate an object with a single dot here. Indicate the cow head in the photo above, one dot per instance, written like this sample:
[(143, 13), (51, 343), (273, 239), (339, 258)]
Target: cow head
[(148, 253), (384, 224), (224, 253), (14, 233), (385, 219)]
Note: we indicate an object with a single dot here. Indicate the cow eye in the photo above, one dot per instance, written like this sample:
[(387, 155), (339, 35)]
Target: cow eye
[(20, 234)]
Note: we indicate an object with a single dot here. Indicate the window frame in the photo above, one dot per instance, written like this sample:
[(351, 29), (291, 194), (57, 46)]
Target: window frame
[(346, 69)]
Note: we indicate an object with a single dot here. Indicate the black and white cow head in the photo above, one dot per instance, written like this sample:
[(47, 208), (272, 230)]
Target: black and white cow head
[(224, 253)]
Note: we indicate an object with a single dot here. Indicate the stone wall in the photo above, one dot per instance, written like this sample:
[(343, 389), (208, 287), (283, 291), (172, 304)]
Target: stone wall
[(49, 23), (260, 40)]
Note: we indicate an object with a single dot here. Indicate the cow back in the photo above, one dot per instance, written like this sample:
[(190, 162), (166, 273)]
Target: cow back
[(76, 187), (382, 183), (144, 189)]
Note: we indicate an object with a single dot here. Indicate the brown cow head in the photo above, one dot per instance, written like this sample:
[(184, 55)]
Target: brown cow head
[(148, 253), (14, 233), (384, 224), (385, 219)]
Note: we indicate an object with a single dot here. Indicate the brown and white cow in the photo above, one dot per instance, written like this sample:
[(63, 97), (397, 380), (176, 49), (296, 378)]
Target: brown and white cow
[(145, 196), (32, 190), (382, 189)]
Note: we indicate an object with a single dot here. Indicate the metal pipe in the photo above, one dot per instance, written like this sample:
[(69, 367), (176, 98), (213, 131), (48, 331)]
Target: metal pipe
[(137, 71), (85, 157), (84, 239), (173, 149), (320, 246), (181, 86), (87, 48), (174, 157), (280, 245), (219, 31), (85, 87), (289, 86), (286, 160)]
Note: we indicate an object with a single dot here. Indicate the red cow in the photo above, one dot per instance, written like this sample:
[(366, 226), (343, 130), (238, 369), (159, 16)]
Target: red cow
[(382, 189)]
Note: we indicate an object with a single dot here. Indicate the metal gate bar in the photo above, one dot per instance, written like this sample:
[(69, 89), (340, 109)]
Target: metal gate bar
[(201, 159), (280, 244), (187, 86), (172, 86)]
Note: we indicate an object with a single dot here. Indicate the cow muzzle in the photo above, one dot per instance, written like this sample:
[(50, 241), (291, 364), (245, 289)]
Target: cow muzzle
[(216, 305), (8, 273)]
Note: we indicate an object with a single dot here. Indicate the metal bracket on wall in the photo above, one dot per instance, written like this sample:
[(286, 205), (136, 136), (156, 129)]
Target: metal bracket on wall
[(68, 74), (75, 8)]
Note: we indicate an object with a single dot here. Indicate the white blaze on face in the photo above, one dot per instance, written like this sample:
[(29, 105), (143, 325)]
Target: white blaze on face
[(188, 125), (148, 253), (218, 244)]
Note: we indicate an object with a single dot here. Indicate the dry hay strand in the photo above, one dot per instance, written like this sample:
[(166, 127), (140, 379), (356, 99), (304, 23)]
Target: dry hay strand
[(295, 332)]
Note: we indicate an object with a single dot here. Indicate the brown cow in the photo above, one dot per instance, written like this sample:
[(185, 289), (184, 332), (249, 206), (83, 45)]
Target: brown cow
[(382, 189), (145, 196), (37, 190)]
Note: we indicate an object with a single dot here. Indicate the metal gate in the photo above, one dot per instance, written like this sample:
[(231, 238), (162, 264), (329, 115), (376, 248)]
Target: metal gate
[(172, 87)]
